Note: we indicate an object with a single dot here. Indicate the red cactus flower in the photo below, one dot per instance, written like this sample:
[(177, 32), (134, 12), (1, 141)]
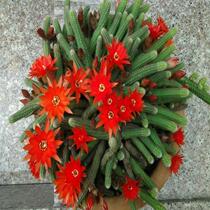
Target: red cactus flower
[(178, 136), (130, 189), (68, 181), (117, 54), (125, 112), (111, 100), (42, 147), (109, 119), (35, 171), (78, 81), (136, 102), (163, 27), (42, 66), (101, 85), (81, 138), (176, 162), (55, 100)]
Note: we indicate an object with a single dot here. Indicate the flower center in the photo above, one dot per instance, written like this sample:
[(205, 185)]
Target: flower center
[(116, 56), (43, 145), (75, 173), (130, 188), (77, 83), (123, 109), (56, 100), (109, 101), (102, 87), (133, 102), (110, 115)]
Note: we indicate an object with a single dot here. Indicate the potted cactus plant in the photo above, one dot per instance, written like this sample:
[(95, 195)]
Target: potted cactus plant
[(108, 96)]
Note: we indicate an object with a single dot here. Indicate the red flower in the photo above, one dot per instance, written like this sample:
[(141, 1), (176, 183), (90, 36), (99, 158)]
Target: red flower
[(176, 162), (111, 100), (42, 66), (55, 100), (101, 85), (35, 171), (117, 54), (42, 147), (136, 102), (125, 112), (68, 181), (109, 119), (178, 137), (81, 138), (163, 27), (78, 81), (130, 189)]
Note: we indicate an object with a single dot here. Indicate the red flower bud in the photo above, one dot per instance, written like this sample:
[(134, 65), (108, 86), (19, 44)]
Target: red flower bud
[(152, 98), (152, 85), (145, 82), (179, 74), (172, 62)]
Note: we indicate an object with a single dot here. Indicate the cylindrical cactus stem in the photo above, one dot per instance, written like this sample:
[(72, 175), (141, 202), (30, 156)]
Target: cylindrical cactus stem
[(152, 147), (165, 53), (128, 44), (119, 171), (98, 51), (114, 143), (122, 6), (169, 147), (166, 159), (145, 72), (139, 33), (143, 59), (46, 43), (76, 59), (149, 108), (134, 49), (115, 24), (193, 87), (139, 21), (162, 93), (69, 30), (136, 8), (135, 132), (123, 27), (64, 45), (89, 111), (120, 155), (175, 117), (136, 154), (144, 120), (127, 165), (178, 67), (108, 172), (159, 44), (160, 76), (105, 9), (25, 111), (138, 171), (107, 155), (59, 62), (79, 36), (163, 123), (85, 15), (169, 83), (92, 172), (105, 35), (144, 8), (143, 150), (57, 26), (154, 203), (79, 122)]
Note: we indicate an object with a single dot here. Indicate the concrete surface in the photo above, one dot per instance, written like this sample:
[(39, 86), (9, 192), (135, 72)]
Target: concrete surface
[(19, 46)]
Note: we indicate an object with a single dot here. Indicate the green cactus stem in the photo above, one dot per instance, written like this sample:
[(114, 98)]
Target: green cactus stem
[(163, 123), (194, 88), (178, 67), (108, 172), (136, 8), (145, 72), (152, 147), (57, 26), (143, 59), (138, 171), (59, 62), (160, 76), (128, 133), (173, 116), (46, 43), (115, 24), (143, 150), (105, 35), (105, 9), (134, 49), (154, 203), (99, 44), (64, 45)]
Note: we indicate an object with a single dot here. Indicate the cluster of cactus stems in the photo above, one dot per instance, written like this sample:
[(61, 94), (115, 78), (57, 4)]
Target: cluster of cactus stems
[(141, 143)]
